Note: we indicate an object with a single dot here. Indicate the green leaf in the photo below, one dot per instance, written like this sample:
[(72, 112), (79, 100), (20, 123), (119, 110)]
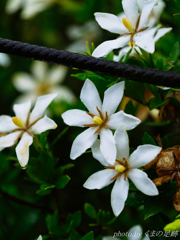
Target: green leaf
[(159, 64), (74, 235), (129, 109), (135, 199), (174, 102), (173, 226), (110, 56), (62, 182), (135, 90), (88, 236), (80, 76), (45, 189), (136, 62), (147, 139), (155, 103), (68, 166), (74, 219), (53, 226), (90, 210), (41, 169), (174, 54)]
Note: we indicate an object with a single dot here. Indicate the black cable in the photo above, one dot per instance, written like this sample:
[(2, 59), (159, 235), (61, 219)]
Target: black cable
[(97, 65)]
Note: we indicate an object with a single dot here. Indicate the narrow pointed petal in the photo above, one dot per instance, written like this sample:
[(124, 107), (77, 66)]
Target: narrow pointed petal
[(126, 120), (143, 155), (122, 143), (107, 146), (100, 179), (6, 124), (161, 32), (9, 140), (23, 82), (90, 97), (140, 4), (39, 70), (97, 154), (22, 149), (43, 125), (110, 22), (135, 233), (142, 182), (56, 74), (22, 110), (82, 142), (41, 104), (113, 95), (145, 40), (77, 118), (131, 10), (64, 94), (147, 8), (119, 195), (106, 47)]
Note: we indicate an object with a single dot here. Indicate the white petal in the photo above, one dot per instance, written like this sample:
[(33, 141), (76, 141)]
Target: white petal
[(110, 22), (126, 120), (13, 5), (147, 8), (82, 142), (64, 94), (4, 60), (143, 155), (122, 53), (145, 41), (100, 179), (112, 95), (158, 10), (135, 233), (6, 124), (56, 74), (122, 143), (146, 238), (31, 96), (142, 182), (107, 145), (22, 149), (97, 154), (9, 140), (90, 97), (41, 105), (39, 70), (43, 125), (39, 238), (119, 195), (76, 117), (131, 10), (161, 32), (110, 238), (140, 4), (106, 47), (23, 82), (22, 110)]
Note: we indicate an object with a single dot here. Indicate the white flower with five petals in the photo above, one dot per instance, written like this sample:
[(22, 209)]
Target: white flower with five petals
[(156, 32), (124, 167), (100, 119), (133, 29), (24, 125)]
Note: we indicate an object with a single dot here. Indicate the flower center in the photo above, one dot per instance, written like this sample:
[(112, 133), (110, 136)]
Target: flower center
[(18, 122), (120, 168), (43, 88), (99, 122), (127, 24), (131, 45)]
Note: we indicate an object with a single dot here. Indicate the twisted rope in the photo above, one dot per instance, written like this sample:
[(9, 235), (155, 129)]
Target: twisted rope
[(97, 65)]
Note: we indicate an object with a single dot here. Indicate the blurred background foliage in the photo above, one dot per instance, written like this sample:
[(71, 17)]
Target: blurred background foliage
[(60, 25)]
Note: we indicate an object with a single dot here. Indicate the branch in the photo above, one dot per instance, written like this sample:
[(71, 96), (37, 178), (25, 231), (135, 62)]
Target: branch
[(24, 202), (97, 65)]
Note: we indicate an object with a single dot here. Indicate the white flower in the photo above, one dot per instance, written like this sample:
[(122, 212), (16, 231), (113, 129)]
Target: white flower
[(125, 167), (133, 29), (134, 233), (40, 238), (100, 119), (24, 125), (4, 60), (158, 34), (42, 81)]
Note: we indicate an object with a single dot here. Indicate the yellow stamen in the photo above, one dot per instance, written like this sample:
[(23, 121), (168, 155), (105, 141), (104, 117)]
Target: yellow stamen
[(18, 122), (127, 24), (97, 120), (120, 168), (132, 44)]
